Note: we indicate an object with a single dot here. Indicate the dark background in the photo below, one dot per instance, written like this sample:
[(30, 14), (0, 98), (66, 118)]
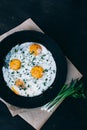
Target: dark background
[(65, 21)]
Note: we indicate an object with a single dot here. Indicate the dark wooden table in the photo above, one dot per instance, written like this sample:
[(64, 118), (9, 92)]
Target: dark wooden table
[(65, 22)]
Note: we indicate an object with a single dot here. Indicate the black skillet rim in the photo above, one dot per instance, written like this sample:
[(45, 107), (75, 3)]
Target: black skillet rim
[(33, 36)]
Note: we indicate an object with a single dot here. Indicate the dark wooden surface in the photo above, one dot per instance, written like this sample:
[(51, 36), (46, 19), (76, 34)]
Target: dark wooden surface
[(64, 21)]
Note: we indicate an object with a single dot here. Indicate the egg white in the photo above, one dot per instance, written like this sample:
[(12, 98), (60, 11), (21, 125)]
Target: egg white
[(34, 86)]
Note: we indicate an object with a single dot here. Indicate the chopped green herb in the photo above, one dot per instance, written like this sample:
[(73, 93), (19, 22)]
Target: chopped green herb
[(46, 79), (16, 50), (12, 73), (24, 80), (31, 52), (44, 83), (33, 63), (27, 95), (54, 71), (20, 88), (28, 86), (46, 70), (43, 90), (34, 58), (22, 65), (24, 88), (35, 82), (42, 57), (6, 64)]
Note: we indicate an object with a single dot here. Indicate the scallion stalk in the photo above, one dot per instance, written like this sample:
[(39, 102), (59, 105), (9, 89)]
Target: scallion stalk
[(74, 89)]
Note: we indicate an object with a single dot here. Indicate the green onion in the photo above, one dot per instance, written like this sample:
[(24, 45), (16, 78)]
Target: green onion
[(31, 52), (24, 89), (46, 70), (74, 89), (54, 71), (42, 57), (34, 58), (16, 50), (44, 83)]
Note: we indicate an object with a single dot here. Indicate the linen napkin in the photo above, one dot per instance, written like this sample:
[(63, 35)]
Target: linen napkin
[(36, 117)]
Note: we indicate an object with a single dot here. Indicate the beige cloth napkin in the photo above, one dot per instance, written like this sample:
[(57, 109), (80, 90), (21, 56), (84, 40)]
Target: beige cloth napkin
[(36, 117)]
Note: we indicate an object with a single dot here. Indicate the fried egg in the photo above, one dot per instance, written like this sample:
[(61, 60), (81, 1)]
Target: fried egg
[(29, 69)]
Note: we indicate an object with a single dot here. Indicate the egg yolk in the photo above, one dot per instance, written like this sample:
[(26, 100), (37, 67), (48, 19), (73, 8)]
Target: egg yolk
[(37, 71), (15, 64), (19, 83), (14, 90), (35, 49)]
